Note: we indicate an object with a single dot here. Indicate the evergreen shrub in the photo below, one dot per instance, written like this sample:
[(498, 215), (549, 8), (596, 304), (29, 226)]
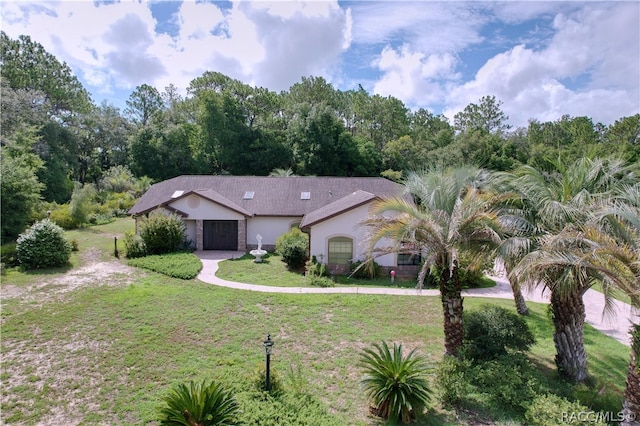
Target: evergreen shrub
[(492, 330), (163, 233), (43, 246), (134, 245), (293, 247)]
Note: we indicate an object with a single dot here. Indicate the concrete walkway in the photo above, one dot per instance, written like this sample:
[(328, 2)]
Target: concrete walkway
[(616, 326)]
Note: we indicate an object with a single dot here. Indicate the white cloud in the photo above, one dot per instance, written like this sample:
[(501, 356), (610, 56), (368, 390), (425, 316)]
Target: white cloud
[(585, 61), (299, 41), (413, 77), (594, 47)]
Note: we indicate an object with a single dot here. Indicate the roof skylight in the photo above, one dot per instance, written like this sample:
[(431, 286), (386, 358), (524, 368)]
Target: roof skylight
[(176, 194), (248, 195), (305, 195)]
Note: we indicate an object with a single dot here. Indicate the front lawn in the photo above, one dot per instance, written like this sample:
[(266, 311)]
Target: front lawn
[(273, 272), (107, 353)]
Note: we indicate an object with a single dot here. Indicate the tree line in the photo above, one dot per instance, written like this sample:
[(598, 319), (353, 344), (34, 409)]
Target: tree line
[(55, 138)]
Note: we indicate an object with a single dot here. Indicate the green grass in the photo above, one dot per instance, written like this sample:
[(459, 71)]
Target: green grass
[(108, 355), (177, 265), (273, 272)]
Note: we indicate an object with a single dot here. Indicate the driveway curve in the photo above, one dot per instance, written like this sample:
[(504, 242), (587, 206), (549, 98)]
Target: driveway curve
[(616, 326)]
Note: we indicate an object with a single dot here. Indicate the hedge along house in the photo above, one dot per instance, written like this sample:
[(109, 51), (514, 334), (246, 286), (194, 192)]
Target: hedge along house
[(228, 212)]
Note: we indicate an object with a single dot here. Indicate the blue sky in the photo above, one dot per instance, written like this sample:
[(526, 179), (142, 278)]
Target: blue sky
[(541, 59)]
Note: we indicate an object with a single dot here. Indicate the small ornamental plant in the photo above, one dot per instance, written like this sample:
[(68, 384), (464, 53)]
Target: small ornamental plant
[(397, 386), (43, 246), (199, 404)]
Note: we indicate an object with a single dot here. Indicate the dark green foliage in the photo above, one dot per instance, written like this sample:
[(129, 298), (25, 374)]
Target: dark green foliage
[(318, 281), (26, 64), (370, 270), (491, 331), (19, 187), (9, 254), (162, 233), (43, 246), (508, 382), (294, 248), (396, 385), (260, 381), (199, 404), (450, 379), (185, 266), (552, 410), (288, 409), (134, 245)]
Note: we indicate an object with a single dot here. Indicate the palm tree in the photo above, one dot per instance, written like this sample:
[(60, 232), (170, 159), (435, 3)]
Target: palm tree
[(616, 254), (451, 214), (397, 385), (562, 202)]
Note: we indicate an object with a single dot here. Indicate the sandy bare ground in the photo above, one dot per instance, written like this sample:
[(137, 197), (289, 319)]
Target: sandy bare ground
[(31, 363)]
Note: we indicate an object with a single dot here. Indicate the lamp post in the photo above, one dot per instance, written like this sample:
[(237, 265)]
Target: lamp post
[(268, 344)]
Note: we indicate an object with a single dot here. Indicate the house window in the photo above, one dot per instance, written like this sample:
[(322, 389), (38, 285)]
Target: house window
[(340, 250), (409, 259), (408, 255)]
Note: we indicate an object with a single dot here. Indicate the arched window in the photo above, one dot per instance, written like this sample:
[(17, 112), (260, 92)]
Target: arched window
[(340, 250)]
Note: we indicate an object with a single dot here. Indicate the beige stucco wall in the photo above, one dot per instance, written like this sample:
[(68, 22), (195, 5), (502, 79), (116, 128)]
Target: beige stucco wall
[(201, 208), (191, 231), (270, 228), (346, 225)]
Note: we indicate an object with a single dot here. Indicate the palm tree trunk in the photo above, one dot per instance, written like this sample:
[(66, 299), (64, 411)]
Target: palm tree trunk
[(451, 295), (568, 320), (631, 402), (521, 304)]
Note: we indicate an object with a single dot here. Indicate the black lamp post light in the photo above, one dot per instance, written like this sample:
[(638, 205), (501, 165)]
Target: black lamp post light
[(268, 344)]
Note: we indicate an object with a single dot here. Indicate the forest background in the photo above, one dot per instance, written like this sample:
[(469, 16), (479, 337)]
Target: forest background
[(65, 156)]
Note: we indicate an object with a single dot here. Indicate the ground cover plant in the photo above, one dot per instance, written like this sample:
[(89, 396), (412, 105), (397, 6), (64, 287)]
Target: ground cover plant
[(178, 265), (109, 351)]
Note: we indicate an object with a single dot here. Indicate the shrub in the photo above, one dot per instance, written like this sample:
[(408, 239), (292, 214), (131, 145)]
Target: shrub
[(552, 410), (43, 246), (162, 233), (185, 266), (134, 245), (61, 215), (316, 269), (9, 255), (293, 247), (508, 382), (260, 381), (317, 281), (199, 404), (490, 331), (81, 203), (370, 270), (396, 385), (451, 381)]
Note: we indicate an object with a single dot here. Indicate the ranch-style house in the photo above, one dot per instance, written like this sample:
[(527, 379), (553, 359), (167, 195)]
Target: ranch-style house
[(228, 212)]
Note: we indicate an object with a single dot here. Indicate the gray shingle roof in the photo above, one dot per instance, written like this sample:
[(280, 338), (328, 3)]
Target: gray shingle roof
[(349, 202), (274, 196)]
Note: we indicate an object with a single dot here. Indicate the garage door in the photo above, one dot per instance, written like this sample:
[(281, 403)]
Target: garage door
[(220, 235)]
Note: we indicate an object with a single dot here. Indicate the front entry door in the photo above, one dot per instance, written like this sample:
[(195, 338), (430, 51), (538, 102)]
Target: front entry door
[(220, 235)]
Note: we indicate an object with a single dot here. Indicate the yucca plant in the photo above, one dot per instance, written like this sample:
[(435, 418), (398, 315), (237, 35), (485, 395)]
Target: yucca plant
[(199, 404), (396, 385)]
